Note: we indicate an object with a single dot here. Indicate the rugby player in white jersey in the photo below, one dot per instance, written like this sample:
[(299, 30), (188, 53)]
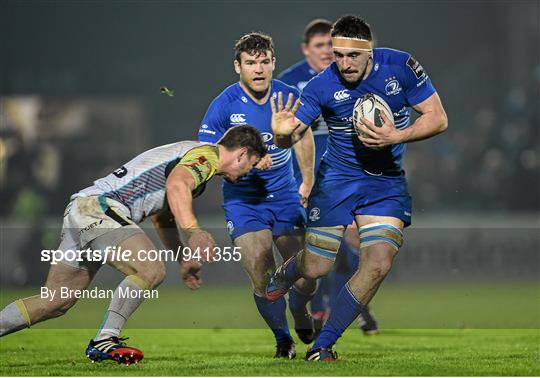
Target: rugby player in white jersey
[(159, 183)]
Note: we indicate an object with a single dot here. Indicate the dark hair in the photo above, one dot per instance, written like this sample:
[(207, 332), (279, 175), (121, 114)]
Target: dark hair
[(317, 26), (244, 136), (253, 44), (351, 27)]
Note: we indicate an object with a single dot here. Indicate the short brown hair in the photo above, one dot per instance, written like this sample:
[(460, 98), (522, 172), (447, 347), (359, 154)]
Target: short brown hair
[(253, 44), (244, 136), (317, 26)]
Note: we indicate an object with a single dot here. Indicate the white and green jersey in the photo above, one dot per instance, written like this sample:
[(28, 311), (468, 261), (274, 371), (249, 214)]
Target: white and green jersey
[(140, 184)]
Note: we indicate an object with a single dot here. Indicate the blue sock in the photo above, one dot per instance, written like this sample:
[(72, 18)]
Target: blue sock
[(291, 271), (298, 302), (317, 302), (345, 268), (274, 315), (347, 309)]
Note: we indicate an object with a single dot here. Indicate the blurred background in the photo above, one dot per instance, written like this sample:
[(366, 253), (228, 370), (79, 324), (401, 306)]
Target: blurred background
[(80, 95)]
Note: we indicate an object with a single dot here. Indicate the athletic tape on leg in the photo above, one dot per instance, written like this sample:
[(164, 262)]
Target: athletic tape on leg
[(374, 233), (323, 242)]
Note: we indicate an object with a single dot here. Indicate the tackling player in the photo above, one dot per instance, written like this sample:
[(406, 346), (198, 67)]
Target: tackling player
[(317, 49), (159, 183), (360, 178), (265, 206)]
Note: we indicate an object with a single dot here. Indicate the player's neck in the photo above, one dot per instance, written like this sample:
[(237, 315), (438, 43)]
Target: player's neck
[(258, 97)]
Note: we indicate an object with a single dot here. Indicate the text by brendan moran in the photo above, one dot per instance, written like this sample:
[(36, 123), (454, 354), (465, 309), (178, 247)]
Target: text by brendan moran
[(95, 293)]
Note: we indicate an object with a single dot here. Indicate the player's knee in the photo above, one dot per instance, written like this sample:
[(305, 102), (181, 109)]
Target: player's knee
[(306, 286), (158, 276), (378, 267), (153, 276), (314, 271), (314, 266)]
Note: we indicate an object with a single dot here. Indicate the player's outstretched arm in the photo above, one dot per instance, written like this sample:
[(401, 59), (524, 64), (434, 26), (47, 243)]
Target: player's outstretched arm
[(180, 185), (286, 127), (305, 155)]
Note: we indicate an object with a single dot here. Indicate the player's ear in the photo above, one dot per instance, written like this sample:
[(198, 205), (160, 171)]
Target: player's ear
[(273, 63), (237, 66), (304, 48), (241, 154)]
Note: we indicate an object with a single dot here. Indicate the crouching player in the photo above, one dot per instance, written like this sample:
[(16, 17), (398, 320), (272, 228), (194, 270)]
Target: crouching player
[(161, 183), (360, 178)]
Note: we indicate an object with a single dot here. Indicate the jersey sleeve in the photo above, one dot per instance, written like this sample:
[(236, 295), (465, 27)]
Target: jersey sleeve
[(214, 123), (310, 104), (202, 162), (417, 85)]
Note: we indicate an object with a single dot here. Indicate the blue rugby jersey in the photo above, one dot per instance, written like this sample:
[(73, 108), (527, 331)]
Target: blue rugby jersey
[(395, 76), (298, 75), (234, 107)]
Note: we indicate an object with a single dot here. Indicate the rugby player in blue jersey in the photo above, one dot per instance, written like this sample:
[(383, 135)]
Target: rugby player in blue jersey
[(264, 207), (317, 49), (360, 178)]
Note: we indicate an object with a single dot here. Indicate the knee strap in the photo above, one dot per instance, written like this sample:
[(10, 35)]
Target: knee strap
[(323, 242), (24, 311), (138, 281), (374, 233)]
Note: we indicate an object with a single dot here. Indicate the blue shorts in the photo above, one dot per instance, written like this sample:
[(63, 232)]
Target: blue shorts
[(283, 217), (339, 195)]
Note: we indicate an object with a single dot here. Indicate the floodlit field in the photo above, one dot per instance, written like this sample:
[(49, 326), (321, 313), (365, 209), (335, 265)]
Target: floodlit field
[(435, 329)]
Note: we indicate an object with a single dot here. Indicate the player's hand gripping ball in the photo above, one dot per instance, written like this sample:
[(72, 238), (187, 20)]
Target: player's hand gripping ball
[(370, 106)]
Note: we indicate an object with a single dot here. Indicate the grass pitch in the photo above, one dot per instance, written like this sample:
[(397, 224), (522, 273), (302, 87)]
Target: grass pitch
[(206, 343)]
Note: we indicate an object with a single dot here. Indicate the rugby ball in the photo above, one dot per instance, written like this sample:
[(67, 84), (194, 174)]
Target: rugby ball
[(369, 106)]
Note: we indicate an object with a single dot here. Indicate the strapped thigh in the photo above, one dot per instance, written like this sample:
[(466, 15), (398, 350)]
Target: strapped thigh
[(374, 233), (324, 241)]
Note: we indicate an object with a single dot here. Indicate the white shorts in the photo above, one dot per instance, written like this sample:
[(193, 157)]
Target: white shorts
[(95, 222)]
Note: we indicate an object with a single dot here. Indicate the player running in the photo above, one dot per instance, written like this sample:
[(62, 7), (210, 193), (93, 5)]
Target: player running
[(265, 206), (360, 178), (159, 183), (317, 49)]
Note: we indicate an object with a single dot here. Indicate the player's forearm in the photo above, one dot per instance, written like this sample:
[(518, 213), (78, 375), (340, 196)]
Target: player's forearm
[(165, 226), (426, 126), (305, 155), (181, 205)]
